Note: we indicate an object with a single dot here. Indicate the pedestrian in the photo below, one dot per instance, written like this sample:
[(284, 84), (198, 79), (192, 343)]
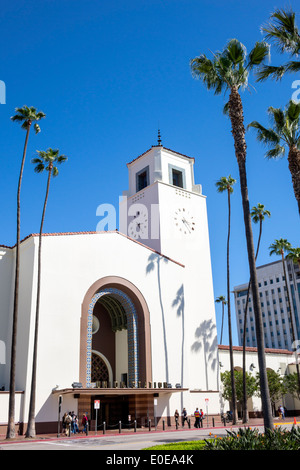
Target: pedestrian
[(74, 427), (68, 421), (176, 416), (201, 417), (282, 411), (84, 422), (197, 418), (184, 416), (64, 424), (76, 424)]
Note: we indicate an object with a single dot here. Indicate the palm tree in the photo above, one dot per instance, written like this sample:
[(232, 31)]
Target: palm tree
[(258, 214), (279, 247), (226, 184), (294, 254), (47, 160), (221, 299), (229, 71), (282, 30), (27, 116), (284, 133)]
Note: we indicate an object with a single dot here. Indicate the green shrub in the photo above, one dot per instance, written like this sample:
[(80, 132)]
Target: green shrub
[(252, 439)]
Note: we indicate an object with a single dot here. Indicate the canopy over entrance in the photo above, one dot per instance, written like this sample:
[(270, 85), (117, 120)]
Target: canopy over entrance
[(118, 404)]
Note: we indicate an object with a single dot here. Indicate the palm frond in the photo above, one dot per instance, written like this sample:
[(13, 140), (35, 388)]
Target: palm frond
[(277, 117), (37, 128), (283, 31), (54, 171), (205, 70), (235, 51), (276, 152), (264, 135), (61, 159), (226, 109), (270, 71), (293, 66), (259, 54), (293, 111), (36, 160), (40, 167)]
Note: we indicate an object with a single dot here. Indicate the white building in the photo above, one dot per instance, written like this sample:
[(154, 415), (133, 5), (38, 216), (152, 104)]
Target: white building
[(129, 314), (274, 306)]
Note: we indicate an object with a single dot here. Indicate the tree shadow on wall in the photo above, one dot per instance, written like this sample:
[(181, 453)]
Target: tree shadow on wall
[(179, 303), (154, 261), (206, 340)]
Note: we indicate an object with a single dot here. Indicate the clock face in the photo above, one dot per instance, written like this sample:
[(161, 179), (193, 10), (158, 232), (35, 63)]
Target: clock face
[(184, 221), (138, 227)]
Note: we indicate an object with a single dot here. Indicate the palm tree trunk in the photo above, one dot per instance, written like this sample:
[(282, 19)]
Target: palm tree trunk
[(222, 321), (294, 167), (233, 388), (31, 432), (11, 432), (291, 318), (238, 131), (245, 399)]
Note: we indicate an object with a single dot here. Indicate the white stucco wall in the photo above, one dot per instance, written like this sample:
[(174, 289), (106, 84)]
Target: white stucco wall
[(278, 360), (70, 265)]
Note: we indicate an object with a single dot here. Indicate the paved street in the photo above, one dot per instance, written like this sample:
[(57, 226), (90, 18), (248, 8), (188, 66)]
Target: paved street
[(123, 442)]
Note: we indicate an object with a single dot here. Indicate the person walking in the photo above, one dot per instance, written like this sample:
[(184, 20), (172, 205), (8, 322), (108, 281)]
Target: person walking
[(201, 417), (176, 416), (197, 418), (184, 417), (84, 422), (68, 421)]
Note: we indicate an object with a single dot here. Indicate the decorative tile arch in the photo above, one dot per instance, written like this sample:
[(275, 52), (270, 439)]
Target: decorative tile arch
[(132, 333)]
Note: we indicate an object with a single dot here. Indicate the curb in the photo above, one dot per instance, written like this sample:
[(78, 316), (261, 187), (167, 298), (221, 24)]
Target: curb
[(114, 434)]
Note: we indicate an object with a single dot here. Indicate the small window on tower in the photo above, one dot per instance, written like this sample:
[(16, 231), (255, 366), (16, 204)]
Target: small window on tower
[(177, 178), (142, 179)]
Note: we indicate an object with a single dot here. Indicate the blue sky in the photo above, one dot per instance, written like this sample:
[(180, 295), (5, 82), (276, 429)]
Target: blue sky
[(107, 74)]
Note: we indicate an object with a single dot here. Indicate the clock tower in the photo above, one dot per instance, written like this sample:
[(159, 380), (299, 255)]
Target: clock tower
[(165, 210)]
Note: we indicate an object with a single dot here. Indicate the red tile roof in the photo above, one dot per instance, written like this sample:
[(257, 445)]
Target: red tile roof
[(153, 146), (252, 349), (56, 234)]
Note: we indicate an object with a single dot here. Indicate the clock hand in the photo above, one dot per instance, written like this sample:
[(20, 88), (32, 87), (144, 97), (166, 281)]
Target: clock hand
[(186, 223)]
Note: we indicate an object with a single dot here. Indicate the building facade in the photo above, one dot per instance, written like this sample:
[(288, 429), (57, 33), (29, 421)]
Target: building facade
[(127, 317), (118, 316), (275, 307)]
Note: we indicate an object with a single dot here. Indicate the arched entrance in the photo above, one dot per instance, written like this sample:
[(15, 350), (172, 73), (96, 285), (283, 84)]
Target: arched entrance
[(117, 310), (123, 316)]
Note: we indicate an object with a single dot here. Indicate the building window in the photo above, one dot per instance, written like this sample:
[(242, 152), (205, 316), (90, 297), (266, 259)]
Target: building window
[(142, 179), (177, 176)]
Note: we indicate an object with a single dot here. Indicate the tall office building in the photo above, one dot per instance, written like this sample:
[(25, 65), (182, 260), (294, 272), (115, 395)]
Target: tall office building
[(275, 308)]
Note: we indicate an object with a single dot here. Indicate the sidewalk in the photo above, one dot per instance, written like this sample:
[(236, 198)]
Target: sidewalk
[(124, 432)]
